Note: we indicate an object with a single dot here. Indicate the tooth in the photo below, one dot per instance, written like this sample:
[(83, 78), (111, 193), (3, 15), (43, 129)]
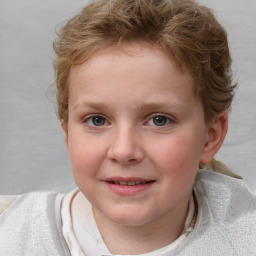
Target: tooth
[(131, 183), (143, 182), (122, 182), (117, 182), (138, 182)]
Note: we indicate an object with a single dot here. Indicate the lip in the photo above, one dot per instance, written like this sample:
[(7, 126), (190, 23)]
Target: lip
[(128, 190)]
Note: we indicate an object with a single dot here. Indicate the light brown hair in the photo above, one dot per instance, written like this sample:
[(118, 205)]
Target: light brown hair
[(183, 29)]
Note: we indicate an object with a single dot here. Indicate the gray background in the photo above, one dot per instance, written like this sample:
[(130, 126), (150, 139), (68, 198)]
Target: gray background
[(32, 150)]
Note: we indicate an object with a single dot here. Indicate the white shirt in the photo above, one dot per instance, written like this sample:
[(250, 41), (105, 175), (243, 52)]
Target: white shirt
[(82, 234)]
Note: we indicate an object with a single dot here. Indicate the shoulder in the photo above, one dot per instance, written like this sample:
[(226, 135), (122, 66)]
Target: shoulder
[(6, 201), (30, 219), (226, 213), (210, 181), (218, 189), (33, 200)]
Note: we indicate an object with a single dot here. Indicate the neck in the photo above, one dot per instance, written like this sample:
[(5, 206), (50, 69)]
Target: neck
[(123, 239)]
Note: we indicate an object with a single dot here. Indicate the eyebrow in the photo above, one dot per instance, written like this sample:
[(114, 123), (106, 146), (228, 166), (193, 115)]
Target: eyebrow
[(92, 105), (147, 106), (160, 106)]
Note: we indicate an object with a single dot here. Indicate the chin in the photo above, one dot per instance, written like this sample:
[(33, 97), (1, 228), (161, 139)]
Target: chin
[(129, 218)]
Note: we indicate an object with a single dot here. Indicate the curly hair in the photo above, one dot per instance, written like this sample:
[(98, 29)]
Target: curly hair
[(185, 30)]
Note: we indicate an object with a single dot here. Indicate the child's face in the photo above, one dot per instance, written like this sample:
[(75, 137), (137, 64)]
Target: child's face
[(135, 134)]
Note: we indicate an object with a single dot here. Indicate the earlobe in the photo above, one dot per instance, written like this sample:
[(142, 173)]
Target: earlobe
[(216, 133), (64, 126)]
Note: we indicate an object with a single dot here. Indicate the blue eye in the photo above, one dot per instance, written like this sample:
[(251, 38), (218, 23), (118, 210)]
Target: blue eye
[(96, 121), (159, 120)]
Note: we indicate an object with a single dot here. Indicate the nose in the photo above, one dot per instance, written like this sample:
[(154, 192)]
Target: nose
[(125, 148)]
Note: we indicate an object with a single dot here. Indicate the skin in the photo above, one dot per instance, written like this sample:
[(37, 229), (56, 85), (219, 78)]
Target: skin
[(151, 127)]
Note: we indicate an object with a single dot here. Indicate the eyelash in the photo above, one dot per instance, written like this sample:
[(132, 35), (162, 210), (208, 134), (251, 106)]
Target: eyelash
[(89, 120), (167, 120)]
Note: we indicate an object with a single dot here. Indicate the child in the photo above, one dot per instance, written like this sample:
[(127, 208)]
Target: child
[(143, 91)]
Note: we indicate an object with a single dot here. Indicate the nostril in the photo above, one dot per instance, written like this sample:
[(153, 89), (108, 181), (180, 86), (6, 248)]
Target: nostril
[(125, 162), (125, 150)]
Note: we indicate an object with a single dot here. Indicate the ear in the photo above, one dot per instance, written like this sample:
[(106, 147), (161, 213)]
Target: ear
[(64, 126), (216, 133)]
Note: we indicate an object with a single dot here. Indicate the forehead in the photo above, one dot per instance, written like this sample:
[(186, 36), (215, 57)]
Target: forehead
[(130, 51), (129, 71), (142, 55)]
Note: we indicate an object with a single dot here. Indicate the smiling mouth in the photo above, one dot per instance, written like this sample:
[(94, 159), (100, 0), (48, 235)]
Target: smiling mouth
[(128, 186), (129, 183)]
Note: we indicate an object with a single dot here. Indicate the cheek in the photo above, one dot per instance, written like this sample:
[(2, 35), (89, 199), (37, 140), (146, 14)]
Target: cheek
[(178, 155), (85, 154), (85, 162)]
